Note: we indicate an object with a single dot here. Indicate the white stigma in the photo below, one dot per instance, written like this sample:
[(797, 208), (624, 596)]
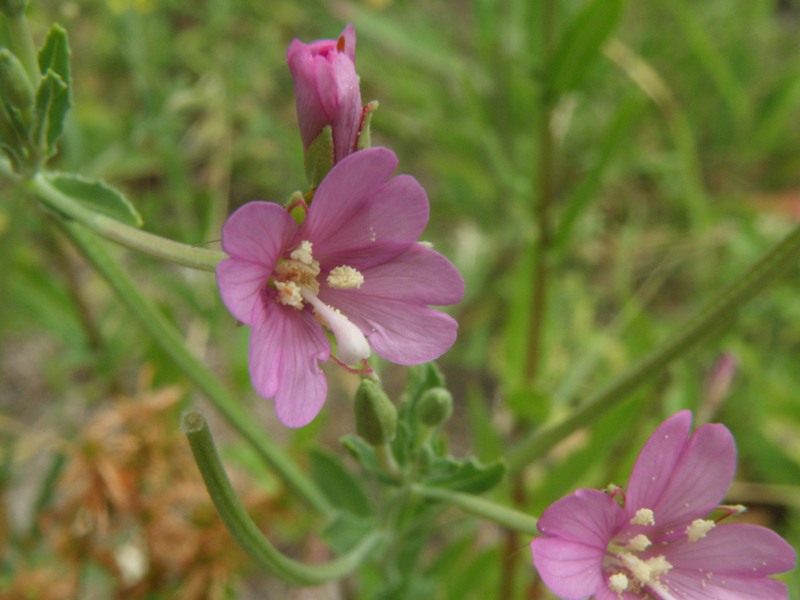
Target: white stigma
[(644, 516), (618, 582), (351, 344), (698, 529), (345, 277)]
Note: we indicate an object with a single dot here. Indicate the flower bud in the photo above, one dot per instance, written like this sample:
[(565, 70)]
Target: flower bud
[(327, 94), (376, 416), (435, 407), (15, 87)]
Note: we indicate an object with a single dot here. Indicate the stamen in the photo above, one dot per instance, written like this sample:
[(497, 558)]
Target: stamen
[(698, 529), (303, 253), (639, 543), (351, 344), (644, 516), (345, 277), (289, 294), (618, 582)]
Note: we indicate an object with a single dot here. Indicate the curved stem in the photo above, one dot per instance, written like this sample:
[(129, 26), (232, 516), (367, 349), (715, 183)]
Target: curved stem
[(717, 314), (170, 341), (242, 528), (482, 508), (111, 229)]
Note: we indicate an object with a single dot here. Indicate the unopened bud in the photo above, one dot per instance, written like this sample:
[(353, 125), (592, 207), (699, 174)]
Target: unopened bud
[(435, 407), (376, 416), (15, 87)]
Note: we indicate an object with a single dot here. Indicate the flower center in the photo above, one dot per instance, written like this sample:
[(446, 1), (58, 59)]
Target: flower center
[(296, 282), (631, 567)]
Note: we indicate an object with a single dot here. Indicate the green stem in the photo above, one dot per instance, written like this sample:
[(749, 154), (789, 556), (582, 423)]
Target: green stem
[(718, 313), (111, 229), (245, 532), (23, 45), (482, 508), (170, 341)]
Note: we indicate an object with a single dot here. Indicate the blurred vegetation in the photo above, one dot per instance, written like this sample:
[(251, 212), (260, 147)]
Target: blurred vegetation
[(675, 165)]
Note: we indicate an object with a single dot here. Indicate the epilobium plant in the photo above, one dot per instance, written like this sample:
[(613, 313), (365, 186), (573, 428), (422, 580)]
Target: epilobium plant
[(661, 538), (338, 273)]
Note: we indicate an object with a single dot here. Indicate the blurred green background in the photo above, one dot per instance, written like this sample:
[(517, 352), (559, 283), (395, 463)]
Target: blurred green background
[(675, 164)]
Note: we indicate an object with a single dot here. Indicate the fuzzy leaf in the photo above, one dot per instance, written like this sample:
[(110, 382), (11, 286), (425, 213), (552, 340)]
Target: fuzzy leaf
[(97, 196), (338, 484)]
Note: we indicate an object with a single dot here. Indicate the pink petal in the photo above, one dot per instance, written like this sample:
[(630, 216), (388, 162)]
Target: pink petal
[(683, 584), (240, 286), (682, 479), (735, 549), (258, 232), (360, 219), (285, 349), (349, 35), (399, 331), (347, 118), (587, 517), (419, 275), (571, 570)]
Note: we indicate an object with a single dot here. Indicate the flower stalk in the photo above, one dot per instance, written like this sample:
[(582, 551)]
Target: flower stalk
[(115, 231), (716, 315), (481, 508), (242, 528)]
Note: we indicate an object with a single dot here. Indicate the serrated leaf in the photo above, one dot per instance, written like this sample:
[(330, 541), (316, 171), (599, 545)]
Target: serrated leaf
[(97, 196), (52, 106), (466, 476), (580, 43), (339, 485), (54, 54)]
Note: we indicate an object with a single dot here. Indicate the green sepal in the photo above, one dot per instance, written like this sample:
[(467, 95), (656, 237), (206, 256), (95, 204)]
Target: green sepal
[(366, 457), (339, 484), (319, 156), (364, 134), (52, 106), (468, 475), (97, 196), (54, 54), (15, 87)]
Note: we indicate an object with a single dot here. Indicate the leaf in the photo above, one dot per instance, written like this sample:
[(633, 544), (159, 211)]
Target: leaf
[(466, 476), (97, 196), (52, 106), (347, 530), (338, 484), (581, 42), (54, 54)]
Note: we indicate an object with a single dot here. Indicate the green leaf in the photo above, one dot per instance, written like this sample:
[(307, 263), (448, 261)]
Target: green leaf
[(339, 485), (346, 531), (52, 106), (97, 196), (580, 43), (466, 476), (54, 54)]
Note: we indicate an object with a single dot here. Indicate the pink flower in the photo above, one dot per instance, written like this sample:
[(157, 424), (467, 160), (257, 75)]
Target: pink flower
[(353, 268), (326, 90), (660, 543)]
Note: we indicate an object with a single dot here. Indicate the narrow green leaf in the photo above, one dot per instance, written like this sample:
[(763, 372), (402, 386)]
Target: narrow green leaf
[(97, 196), (467, 476), (339, 485), (52, 106), (580, 43), (54, 54)]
